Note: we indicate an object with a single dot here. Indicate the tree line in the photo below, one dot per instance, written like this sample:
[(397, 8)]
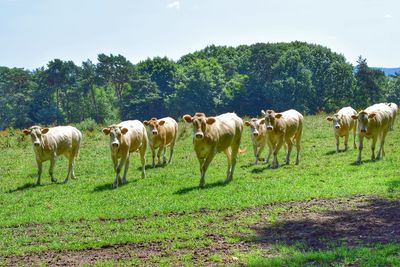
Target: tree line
[(245, 79)]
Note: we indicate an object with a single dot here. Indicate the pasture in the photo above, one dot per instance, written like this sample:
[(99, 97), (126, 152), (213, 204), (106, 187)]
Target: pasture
[(325, 211)]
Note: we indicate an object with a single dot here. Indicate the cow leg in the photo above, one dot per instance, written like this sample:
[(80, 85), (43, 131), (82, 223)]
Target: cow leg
[(269, 153), (373, 144), (125, 170), (171, 152), (51, 169), (354, 135), (70, 166), (228, 154), (160, 149), (234, 152), (163, 156), (289, 150), (260, 150), (346, 142), (382, 143), (255, 154), (360, 148), (142, 153), (40, 168), (118, 170), (278, 146), (204, 167), (153, 155)]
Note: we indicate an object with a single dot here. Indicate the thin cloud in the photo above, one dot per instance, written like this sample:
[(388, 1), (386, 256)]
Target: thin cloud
[(388, 16), (174, 5)]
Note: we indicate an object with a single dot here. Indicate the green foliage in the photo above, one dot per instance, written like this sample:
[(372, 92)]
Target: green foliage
[(244, 79)]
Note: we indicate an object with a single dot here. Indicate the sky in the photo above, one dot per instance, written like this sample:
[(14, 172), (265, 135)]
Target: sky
[(33, 32)]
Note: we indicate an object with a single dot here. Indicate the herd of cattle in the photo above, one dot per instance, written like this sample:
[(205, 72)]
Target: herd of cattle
[(210, 136)]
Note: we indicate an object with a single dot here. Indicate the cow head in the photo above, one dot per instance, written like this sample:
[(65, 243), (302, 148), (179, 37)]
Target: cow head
[(270, 119), (336, 119), (200, 123), (363, 120), (255, 125), (154, 125), (115, 133), (36, 133)]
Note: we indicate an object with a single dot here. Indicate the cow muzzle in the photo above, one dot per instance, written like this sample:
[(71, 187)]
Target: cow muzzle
[(115, 145), (270, 128), (154, 132), (337, 126), (199, 135), (36, 144), (255, 134), (363, 130)]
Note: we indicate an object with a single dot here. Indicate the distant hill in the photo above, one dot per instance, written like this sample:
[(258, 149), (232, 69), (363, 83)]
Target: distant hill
[(388, 71)]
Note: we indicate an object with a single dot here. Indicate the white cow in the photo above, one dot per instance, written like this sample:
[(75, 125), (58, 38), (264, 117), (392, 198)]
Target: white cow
[(259, 138), (373, 122), (394, 109), (48, 143), (125, 138), (343, 123)]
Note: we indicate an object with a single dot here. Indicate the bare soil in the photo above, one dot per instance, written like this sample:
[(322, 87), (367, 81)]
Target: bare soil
[(316, 224)]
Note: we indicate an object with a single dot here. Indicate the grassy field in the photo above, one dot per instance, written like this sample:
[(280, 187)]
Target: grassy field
[(166, 219)]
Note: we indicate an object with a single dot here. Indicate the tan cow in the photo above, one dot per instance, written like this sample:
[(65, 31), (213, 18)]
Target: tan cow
[(373, 122), (161, 133), (394, 109), (125, 138), (343, 123), (259, 138), (215, 134), (284, 127), (48, 143)]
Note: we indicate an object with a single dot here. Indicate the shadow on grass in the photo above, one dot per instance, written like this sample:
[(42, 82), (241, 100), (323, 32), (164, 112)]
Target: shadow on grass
[(355, 163), (333, 152), (260, 169), (27, 186), (393, 186), (109, 186), (148, 166), (207, 186), (371, 221)]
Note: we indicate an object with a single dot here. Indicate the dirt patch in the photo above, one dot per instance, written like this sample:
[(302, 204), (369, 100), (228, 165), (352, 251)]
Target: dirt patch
[(355, 221), (316, 224)]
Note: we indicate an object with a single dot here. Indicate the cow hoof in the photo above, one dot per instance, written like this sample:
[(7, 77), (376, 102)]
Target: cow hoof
[(54, 180), (65, 181)]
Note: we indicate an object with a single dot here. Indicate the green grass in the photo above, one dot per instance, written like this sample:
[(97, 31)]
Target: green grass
[(87, 212)]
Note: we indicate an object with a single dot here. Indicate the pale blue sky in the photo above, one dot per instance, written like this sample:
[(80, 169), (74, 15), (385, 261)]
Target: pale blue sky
[(33, 32)]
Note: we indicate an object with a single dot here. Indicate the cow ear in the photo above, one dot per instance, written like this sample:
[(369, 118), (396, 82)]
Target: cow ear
[(146, 123), (44, 130), (372, 115), (354, 117), (329, 118), (26, 131), (161, 122), (247, 123), (106, 131), (210, 120), (278, 115), (187, 118), (262, 121), (124, 130)]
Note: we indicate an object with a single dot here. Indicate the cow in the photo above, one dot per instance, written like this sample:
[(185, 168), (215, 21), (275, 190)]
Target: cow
[(161, 134), (283, 127), (215, 134), (394, 109), (343, 123), (48, 143), (125, 138), (259, 138), (373, 122)]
